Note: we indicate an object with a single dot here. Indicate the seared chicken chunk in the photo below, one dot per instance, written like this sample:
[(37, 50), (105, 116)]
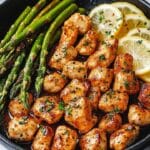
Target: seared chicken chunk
[(82, 22), (65, 138), (110, 122), (144, 96), (75, 70), (47, 108), (43, 138), (61, 56), (123, 137), (104, 56), (74, 89), (138, 115), (94, 140), (93, 96), (88, 43), (78, 113), (113, 101), (22, 128), (54, 82), (123, 62), (16, 108), (125, 81), (101, 77)]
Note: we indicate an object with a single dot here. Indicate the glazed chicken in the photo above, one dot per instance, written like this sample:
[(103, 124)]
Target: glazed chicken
[(125, 81), (144, 96), (113, 101), (138, 115), (123, 137), (78, 113), (110, 122), (47, 109), (76, 88), (43, 138), (87, 45), (101, 77), (17, 109), (65, 138), (75, 70), (54, 82), (104, 56), (23, 128), (94, 140)]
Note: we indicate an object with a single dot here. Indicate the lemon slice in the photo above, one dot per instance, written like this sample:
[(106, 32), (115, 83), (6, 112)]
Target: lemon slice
[(107, 20), (145, 77), (139, 48), (127, 8), (142, 32)]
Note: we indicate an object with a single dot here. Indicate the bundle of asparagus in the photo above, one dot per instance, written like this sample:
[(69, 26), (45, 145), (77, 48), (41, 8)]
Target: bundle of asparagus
[(19, 58)]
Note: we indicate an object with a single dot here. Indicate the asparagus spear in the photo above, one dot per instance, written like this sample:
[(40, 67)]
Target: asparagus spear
[(34, 26), (31, 15), (28, 69), (47, 41), (14, 27), (11, 78)]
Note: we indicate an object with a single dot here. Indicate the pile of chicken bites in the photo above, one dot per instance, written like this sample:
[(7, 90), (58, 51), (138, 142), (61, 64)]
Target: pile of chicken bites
[(76, 89)]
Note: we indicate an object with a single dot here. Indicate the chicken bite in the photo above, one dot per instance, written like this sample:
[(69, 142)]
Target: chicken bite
[(125, 81), (138, 115), (76, 88), (54, 82), (123, 137), (23, 128), (65, 138), (43, 138), (88, 43), (78, 113), (94, 140), (75, 70), (104, 56), (113, 101), (47, 108), (110, 122), (101, 77), (144, 96)]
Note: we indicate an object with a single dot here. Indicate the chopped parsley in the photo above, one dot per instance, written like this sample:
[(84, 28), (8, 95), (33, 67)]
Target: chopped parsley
[(139, 41), (24, 120), (126, 84), (61, 106), (102, 57)]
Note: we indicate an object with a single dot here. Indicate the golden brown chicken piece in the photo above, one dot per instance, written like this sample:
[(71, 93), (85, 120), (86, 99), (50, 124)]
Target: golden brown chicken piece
[(123, 137), (22, 128), (93, 96), (110, 122), (113, 101), (16, 108), (104, 56), (88, 43), (75, 70), (47, 108), (43, 138), (144, 96), (79, 114), (54, 82), (76, 88), (61, 56), (125, 81), (101, 77), (123, 62), (94, 140), (138, 115), (65, 138), (82, 22)]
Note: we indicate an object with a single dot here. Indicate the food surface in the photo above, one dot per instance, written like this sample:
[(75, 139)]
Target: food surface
[(76, 81)]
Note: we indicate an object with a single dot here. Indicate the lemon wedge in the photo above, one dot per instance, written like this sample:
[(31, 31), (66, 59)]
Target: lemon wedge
[(139, 48), (145, 77), (107, 20), (142, 32), (127, 8)]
